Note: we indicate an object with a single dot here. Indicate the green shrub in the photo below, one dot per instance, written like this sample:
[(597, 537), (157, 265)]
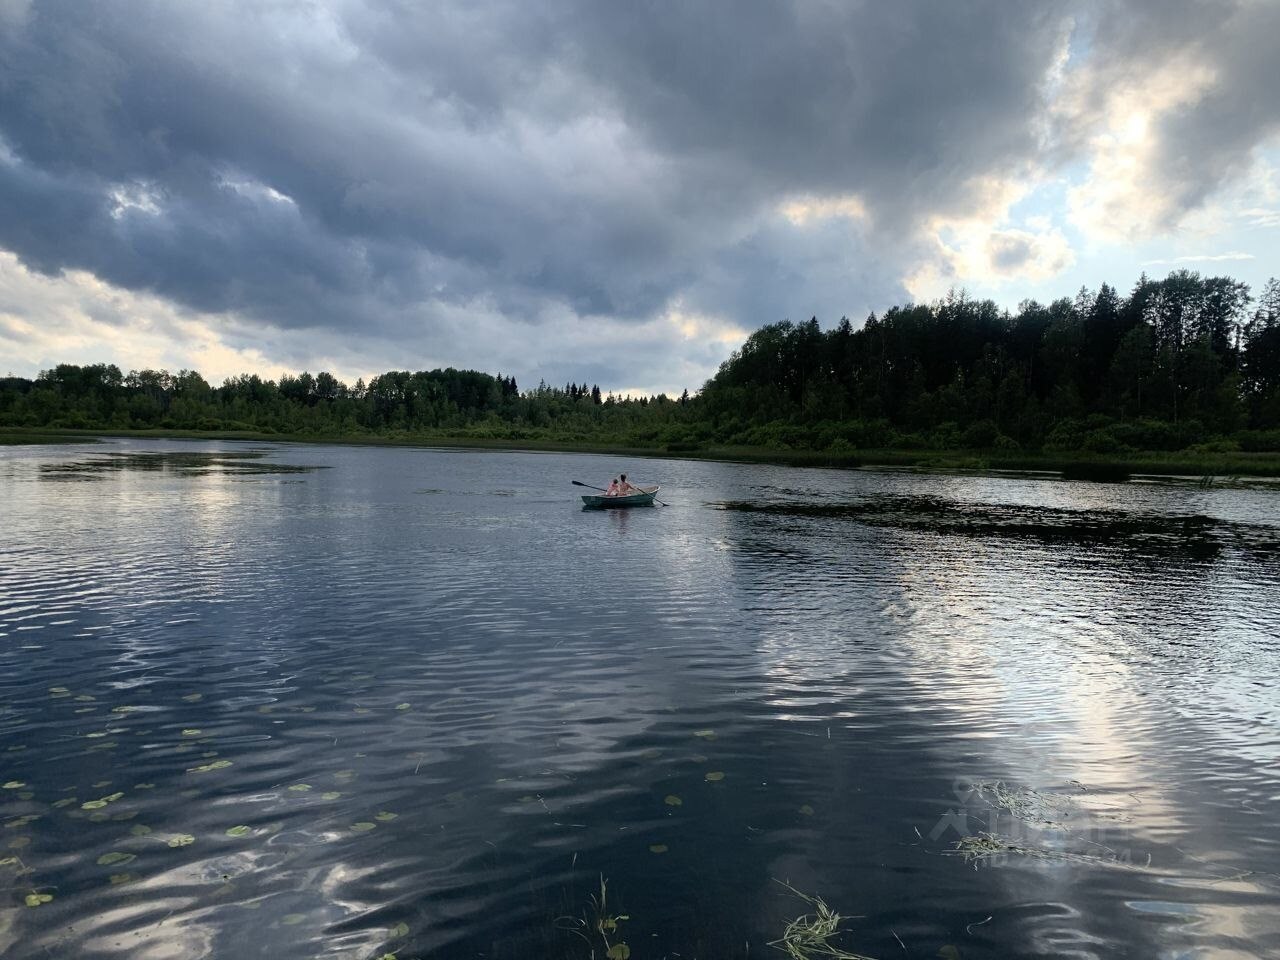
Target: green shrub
[(980, 435)]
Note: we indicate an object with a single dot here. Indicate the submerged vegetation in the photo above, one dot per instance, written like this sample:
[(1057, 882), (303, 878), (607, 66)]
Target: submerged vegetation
[(1183, 374)]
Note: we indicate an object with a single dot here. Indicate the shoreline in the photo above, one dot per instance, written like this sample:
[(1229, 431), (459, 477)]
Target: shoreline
[(1203, 466)]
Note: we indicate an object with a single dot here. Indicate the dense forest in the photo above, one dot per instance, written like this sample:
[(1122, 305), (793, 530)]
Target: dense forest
[(1183, 363)]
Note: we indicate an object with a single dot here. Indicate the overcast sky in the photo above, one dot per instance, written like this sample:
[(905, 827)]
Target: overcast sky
[(610, 193)]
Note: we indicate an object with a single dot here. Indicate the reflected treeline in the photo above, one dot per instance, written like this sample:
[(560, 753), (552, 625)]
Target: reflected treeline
[(1191, 535), (239, 463)]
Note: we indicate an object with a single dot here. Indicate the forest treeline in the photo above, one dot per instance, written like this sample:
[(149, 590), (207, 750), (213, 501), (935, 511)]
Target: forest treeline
[(1183, 363)]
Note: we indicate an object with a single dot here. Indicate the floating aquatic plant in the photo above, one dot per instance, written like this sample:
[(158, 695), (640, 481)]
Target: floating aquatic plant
[(810, 935), (207, 767), (599, 927)]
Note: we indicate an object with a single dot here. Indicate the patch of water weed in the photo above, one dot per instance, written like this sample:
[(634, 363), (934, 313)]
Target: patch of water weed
[(986, 847), (810, 935), (1029, 806), (180, 463), (1189, 534)]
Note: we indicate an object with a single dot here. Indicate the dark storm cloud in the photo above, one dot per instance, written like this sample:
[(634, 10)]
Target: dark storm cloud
[(371, 169)]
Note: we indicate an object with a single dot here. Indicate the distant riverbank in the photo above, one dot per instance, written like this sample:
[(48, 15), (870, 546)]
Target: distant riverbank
[(1207, 466)]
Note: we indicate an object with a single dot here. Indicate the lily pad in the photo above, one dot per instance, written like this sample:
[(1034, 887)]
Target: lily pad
[(401, 929), (13, 785), (140, 830), (402, 706), (115, 856), (715, 776), (192, 732), (239, 831), (181, 840), (658, 848), (330, 795), (807, 810), (386, 816), (207, 767), (364, 826), (193, 697), (119, 878), (619, 951), (293, 919), (35, 899), (705, 734), (671, 800), (300, 787)]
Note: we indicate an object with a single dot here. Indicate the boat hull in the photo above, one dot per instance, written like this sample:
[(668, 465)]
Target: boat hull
[(642, 499)]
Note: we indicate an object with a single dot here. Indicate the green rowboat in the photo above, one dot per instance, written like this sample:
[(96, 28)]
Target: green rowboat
[(642, 499)]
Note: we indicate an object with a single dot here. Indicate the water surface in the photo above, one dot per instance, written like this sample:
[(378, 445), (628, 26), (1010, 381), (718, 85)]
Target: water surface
[(297, 701)]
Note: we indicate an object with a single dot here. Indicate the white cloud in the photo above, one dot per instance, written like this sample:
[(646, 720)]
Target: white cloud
[(803, 210), (986, 247), (1200, 258), (76, 318), (1121, 199)]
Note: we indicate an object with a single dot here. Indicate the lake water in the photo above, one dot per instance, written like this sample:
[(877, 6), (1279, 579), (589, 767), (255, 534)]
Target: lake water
[(297, 701)]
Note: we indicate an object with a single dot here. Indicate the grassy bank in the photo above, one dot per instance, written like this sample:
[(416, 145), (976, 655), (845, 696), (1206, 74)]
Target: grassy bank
[(1085, 465)]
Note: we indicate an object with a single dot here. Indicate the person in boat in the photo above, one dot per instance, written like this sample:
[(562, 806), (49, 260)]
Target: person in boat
[(624, 488), (613, 488)]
